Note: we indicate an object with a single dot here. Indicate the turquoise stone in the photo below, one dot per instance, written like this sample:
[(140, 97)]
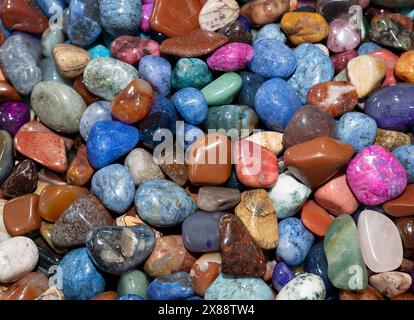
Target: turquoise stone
[(99, 51), (191, 72)]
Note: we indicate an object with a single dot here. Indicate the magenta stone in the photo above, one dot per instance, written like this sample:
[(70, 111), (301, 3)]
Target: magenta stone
[(340, 60), (13, 115), (343, 36), (376, 176), (231, 57), (146, 16), (131, 49)]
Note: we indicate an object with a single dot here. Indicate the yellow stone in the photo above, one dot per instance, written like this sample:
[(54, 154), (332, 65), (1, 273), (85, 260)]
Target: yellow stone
[(270, 140)]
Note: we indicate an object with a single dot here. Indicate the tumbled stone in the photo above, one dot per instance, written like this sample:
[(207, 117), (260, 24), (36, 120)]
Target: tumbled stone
[(236, 32), (50, 38), (6, 154), (142, 167), (262, 12), (403, 205), (191, 72), (215, 14), (157, 71), (21, 181), (204, 271), (174, 286), (269, 140), (80, 171), (390, 60), (131, 49), (80, 87), (213, 199), (107, 295), (71, 60), (251, 84), (133, 282), (13, 115), (31, 287), (404, 68), (391, 139), (343, 36), (233, 56), (405, 226), (172, 164), (340, 60), (391, 284), (315, 218), (8, 92), (222, 90), (306, 286)]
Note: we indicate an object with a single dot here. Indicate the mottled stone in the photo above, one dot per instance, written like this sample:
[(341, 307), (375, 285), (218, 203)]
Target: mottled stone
[(87, 96), (251, 83), (173, 166), (71, 60), (21, 181), (215, 14), (391, 284), (204, 271), (157, 71), (51, 294), (306, 286), (391, 139), (191, 72), (100, 110), (342, 36), (142, 167), (213, 199), (341, 59), (131, 49), (404, 68)]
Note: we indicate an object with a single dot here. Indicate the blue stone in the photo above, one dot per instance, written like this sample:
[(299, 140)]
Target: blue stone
[(157, 71), (295, 241), (120, 17), (271, 31), (5, 31), (245, 23), (50, 7), (195, 298), (281, 276), (191, 72), (192, 105), (205, 239), (251, 83), (275, 103), (109, 140), (368, 47), (162, 104), (114, 186), (130, 297), (233, 182), (186, 135), (313, 67), (357, 129), (272, 58), (99, 51), (174, 286), (80, 278), (84, 26), (163, 203), (405, 154), (100, 110), (154, 127)]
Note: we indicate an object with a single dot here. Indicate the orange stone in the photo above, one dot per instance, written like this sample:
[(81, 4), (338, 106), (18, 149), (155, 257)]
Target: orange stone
[(21, 215), (404, 296), (403, 206), (209, 161), (404, 68), (390, 60), (80, 171), (175, 19), (315, 218), (30, 287), (204, 271), (54, 200), (80, 88), (134, 102), (8, 93), (107, 295), (369, 293)]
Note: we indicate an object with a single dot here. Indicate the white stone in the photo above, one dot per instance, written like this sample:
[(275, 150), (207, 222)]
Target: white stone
[(142, 167), (306, 286), (215, 14), (391, 284)]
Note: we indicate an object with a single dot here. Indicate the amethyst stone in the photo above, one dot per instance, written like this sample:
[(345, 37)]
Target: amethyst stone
[(13, 115)]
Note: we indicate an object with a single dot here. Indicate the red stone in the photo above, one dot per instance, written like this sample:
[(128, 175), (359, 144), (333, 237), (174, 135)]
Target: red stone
[(131, 49), (390, 60), (340, 60), (30, 287), (315, 218)]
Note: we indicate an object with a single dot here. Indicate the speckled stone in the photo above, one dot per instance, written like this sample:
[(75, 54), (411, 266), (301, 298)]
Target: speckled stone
[(142, 167), (157, 71), (306, 286), (191, 72), (391, 139), (215, 14), (174, 286)]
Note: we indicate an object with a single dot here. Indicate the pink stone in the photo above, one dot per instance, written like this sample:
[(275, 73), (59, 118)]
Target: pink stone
[(146, 16), (390, 60), (376, 176), (380, 241), (231, 57), (342, 36), (256, 166), (131, 49), (340, 60), (336, 196)]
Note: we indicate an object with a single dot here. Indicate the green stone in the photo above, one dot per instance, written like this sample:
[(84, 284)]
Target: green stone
[(222, 90), (191, 72), (346, 268), (133, 282)]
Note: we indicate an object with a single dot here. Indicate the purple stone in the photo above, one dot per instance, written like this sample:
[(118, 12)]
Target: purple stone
[(392, 107), (13, 115), (281, 276), (201, 232)]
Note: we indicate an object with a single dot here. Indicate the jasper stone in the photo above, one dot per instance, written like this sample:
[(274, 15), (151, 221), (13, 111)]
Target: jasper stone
[(191, 72), (213, 199), (13, 115), (8, 92), (306, 286), (163, 203), (262, 12), (174, 257), (391, 284), (315, 218), (78, 219), (71, 60), (240, 254), (48, 97), (403, 205), (6, 154), (336, 97), (315, 161), (30, 287), (99, 77), (215, 14), (376, 176), (209, 161), (80, 171), (131, 49), (346, 268), (381, 255), (183, 46), (391, 139), (222, 90), (174, 286), (21, 181), (21, 215), (236, 32), (119, 249), (142, 167), (204, 271), (308, 123)]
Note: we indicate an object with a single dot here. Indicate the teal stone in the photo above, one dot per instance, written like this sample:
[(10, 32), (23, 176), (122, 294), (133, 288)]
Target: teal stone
[(346, 267), (99, 51), (241, 119), (191, 72), (238, 288), (222, 90), (133, 282)]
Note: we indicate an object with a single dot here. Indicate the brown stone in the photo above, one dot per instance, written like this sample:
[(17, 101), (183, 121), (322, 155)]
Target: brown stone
[(107, 295), (80, 171), (261, 12), (8, 93), (240, 254), (54, 200), (314, 162), (21, 181), (369, 293), (21, 215), (175, 20), (406, 265), (30, 287), (405, 226), (71, 60), (209, 161), (80, 87), (197, 43), (173, 165), (391, 139), (213, 199), (204, 271), (403, 206), (404, 296)]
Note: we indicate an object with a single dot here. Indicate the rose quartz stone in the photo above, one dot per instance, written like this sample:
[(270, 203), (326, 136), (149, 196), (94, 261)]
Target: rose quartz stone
[(131, 49), (146, 16), (336, 197), (231, 57), (380, 241), (390, 60), (376, 176), (342, 36)]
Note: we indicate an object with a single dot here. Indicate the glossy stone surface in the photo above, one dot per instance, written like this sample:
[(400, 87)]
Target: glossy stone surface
[(100, 110), (262, 12), (391, 284), (343, 36), (8, 92), (233, 56), (251, 83), (119, 249), (78, 219), (30, 287), (391, 139), (80, 171), (390, 60), (174, 286), (376, 176), (236, 32), (204, 271), (21, 181), (109, 140), (405, 226), (403, 205), (346, 268), (380, 242), (13, 115), (6, 155), (133, 282), (81, 279), (142, 167), (71, 60), (213, 199), (306, 286), (191, 105), (404, 69), (215, 14), (163, 203), (157, 71), (191, 72), (131, 49), (281, 275), (315, 218), (222, 90)]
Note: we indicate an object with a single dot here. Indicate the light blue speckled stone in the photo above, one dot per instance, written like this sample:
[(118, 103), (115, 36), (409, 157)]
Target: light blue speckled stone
[(295, 241), (405, 154), (157, 71), (357, 129), (271, 31), (174, 286), (313, 67), (100, 110), (192, 105), (99, 51), (191, 72), (113, 185), (163, 203), (368, 47), (288, 195), (238, 288)]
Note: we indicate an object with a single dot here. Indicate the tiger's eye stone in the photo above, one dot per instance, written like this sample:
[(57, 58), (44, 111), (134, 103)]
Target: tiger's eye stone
[(134, 102), (21, 215), (80, 171), (30, 287), (21, 181), (403, 205), (71, 60), (54, 200), (8, 93), (80, 88), (261, 12)]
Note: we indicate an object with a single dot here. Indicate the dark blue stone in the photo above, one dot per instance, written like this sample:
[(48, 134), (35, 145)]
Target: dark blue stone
[(368, 47), (162, 104), (281, 276), (130, 297), (174, 286), (154, 127), (245, 22), (233, 182), (251, 83)]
